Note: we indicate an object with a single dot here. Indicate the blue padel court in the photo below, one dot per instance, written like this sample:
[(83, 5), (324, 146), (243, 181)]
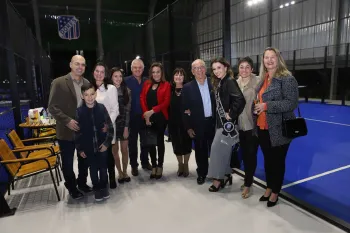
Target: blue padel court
[(318, 165)]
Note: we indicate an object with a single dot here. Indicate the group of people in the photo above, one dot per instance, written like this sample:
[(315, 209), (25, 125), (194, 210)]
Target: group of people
[(112, 111)]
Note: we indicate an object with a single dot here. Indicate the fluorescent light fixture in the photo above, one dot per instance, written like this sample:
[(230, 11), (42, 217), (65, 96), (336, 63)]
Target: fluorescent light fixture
[(281, 6), (292, 2), (287, 4)]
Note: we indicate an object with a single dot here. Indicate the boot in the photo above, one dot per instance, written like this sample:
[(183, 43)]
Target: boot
[(153, 173), (159, 173), (180, 170)]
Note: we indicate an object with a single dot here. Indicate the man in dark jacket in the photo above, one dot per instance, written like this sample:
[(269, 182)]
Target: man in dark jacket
[(199, 116), (65, 98)]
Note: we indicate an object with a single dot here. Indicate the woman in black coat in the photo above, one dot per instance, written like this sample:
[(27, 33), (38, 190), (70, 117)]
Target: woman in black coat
[(232, 105), (181, 141)]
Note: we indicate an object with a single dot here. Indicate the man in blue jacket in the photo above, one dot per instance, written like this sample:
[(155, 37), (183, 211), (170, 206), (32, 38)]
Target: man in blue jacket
[(135, 83)]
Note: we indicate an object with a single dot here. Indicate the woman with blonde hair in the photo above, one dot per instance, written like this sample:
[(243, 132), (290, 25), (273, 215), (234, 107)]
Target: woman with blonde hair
[(277, 99)]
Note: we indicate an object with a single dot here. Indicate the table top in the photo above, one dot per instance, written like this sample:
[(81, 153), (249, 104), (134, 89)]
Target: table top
[(36, 125)]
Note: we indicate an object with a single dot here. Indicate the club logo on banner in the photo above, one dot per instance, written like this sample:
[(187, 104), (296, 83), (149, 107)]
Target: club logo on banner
[(68, 27)]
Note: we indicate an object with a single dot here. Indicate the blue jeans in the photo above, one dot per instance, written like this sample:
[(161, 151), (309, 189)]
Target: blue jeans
[(136, 124), (98, 169)]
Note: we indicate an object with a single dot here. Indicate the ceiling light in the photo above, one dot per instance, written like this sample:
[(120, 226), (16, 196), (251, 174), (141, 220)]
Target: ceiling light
[(287, 4), (293, 2), (250, 3), (281, 6)]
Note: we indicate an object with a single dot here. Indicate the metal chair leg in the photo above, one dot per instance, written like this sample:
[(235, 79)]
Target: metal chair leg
[(54, 183)]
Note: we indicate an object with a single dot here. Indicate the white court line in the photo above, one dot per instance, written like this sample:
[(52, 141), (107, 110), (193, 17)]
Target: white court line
[(314, 177), (329, 122)]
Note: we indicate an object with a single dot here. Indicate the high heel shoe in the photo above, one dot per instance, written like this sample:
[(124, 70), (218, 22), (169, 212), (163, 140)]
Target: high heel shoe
[(246, 192), (229, 180), (272, 203), (126, 178), (213, 188), (263, 198)]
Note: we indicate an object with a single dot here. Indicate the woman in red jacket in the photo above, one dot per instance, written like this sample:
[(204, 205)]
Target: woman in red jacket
[(155, 100)]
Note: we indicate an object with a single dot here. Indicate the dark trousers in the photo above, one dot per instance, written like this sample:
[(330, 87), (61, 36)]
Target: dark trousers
[(98, 169), (160, 128), (111, 164), (249, 147), (236, 159), (202, 147), (274, 161), (67, 153), (136, 124)]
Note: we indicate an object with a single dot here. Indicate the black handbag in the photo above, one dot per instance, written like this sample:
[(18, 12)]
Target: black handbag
[(148, 136), (293, 128)]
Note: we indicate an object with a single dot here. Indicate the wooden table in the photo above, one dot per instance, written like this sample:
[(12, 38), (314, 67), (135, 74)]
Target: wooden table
[(36, 127)]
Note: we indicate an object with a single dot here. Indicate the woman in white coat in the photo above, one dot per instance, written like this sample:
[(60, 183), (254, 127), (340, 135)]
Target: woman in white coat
[(108, 96)]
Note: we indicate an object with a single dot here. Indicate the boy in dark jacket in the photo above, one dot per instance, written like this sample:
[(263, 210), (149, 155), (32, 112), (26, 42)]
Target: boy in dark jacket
[(92, 139)]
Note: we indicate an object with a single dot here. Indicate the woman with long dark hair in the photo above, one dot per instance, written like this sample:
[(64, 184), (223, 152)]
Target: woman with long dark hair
[(231, 104), (155, 100), (108, 96), (121, 124), (181, 141)]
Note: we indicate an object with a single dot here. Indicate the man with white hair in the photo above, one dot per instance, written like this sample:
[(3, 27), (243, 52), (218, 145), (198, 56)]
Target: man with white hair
[(135, 83), (199, 116)]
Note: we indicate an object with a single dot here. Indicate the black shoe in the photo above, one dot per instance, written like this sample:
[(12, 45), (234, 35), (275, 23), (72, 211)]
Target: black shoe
[(263, 198), (112, 184), (147, 167), (213, 188), (85, 188), (76, 194), (127, 179), (228, 180), (98, 195), (200, 180), (271, 203), (121, 180), (105, 193), (135, 171)]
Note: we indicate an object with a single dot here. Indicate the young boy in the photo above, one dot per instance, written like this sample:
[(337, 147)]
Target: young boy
[(92, 141)]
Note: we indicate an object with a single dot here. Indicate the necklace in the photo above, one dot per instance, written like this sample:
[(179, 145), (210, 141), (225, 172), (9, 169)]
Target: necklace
[(178, 91), (242, 84)]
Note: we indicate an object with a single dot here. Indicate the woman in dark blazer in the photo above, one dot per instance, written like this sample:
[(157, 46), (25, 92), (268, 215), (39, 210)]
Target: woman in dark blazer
[(233, 103), (155, 100), (278, 98)]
